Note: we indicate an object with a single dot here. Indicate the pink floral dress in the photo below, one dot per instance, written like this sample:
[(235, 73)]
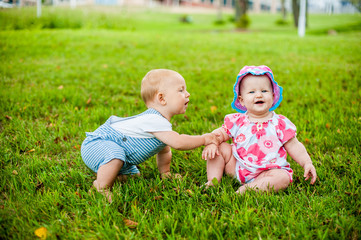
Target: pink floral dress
[(259, 146)]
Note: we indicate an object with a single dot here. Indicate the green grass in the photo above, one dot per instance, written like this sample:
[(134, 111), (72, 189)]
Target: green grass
[(48, 75)]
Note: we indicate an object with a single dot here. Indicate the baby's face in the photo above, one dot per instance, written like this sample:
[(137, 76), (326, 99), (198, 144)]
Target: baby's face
[(256, 94), (175, 94)]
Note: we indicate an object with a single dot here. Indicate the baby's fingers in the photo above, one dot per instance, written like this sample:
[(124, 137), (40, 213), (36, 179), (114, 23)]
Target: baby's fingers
[(314, 176), (310, 172), (204, 155), (212, 154)]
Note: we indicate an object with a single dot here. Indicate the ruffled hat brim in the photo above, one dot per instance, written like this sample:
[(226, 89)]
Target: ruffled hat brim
[(256, 70)]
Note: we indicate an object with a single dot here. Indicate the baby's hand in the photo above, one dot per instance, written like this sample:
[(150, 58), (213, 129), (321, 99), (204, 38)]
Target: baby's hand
[(310, 171), (212, 138), (210, 152)]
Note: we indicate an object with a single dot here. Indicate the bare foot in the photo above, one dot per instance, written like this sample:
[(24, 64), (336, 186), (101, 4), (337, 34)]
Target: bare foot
[(241, 190), (122, 178), (169, 175), (104, 191)]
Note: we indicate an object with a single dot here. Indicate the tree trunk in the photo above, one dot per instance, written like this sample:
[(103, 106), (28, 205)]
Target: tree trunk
[(295, 11), (241, 8), (283, 10), (219, 10)]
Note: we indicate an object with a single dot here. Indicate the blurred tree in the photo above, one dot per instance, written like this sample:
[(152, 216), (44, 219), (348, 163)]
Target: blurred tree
[(296, 11), (283, 10), (241, 18), (357, 4)]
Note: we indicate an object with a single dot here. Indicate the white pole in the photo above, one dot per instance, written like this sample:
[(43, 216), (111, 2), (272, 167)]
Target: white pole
[(72, 4), (38, 8), (219, 12), (302, 19)]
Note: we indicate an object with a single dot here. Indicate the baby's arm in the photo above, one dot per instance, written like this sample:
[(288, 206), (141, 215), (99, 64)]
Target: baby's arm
[(185, 142), (211, 150), (299, 153), (164, 158)]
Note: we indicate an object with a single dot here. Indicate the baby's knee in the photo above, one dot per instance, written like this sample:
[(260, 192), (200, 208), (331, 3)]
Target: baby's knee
[(283, 180), (225, 148)]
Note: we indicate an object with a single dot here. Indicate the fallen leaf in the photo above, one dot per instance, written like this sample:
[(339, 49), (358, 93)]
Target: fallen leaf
[(57, 140), (15, 172), (76, 147), (60, 87), (78, 194), (307, 141), (338, 131), (50, 125), (41, 233), (39, 186), (31, 150), (189, 192), (89, 100), (328, 125), (8, 117), (158, 198), (213, 109), (130, 223)]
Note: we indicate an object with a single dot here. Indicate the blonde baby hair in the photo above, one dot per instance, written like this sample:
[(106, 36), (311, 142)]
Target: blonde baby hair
[(152, 82)]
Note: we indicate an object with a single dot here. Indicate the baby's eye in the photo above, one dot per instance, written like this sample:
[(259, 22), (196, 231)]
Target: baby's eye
[(264, 90), (251, 92)]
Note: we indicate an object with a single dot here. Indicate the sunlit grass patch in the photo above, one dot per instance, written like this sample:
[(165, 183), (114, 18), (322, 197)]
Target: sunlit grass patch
[(56, 84)]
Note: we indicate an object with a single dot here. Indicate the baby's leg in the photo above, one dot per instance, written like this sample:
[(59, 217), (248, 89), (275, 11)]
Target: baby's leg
[(123, 177), (223, 163), (106, 176), (273, 179)]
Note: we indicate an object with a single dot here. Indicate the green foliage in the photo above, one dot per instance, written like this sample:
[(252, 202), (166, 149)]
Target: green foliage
[(186, 19), (56, 84), (281, 22), (243, 22)]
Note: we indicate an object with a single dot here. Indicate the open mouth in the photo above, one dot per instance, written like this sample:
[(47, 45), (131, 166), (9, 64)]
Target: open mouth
[(259, 102)]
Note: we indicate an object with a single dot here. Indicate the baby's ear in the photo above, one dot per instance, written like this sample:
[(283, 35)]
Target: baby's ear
[(240, 99), (160, 98)]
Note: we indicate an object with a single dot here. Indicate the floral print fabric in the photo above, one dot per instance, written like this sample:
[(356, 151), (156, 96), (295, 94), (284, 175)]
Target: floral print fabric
[(259, 146)]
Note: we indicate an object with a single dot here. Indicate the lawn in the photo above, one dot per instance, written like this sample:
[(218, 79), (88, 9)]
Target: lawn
[(64, 74)]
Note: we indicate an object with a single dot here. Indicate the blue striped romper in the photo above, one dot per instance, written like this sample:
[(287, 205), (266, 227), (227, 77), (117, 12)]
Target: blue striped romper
[(106, 144)]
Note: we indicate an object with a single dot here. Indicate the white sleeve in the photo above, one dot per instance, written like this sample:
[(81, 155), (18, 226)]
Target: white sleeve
[(154, 123), (142, 126)]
